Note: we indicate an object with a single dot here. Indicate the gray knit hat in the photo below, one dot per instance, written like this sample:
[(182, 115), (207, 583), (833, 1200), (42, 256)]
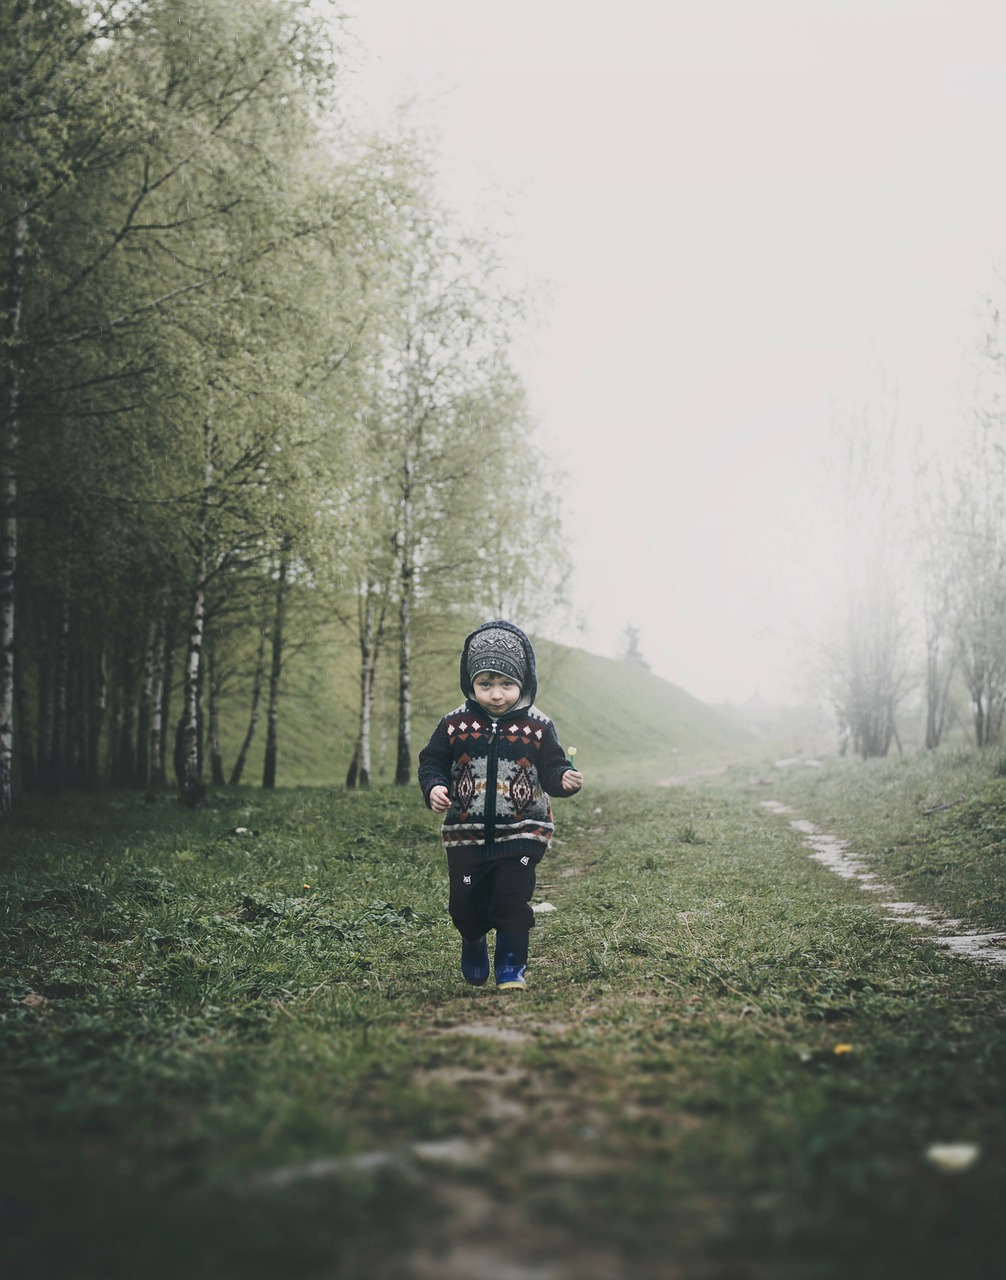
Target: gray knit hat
[(494, 649)]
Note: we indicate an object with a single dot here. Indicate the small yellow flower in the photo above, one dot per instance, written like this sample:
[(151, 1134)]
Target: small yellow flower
[(572, 754), (841, 1049)]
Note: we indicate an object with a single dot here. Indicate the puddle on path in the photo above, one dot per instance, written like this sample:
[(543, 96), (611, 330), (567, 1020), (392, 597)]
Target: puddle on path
[(834, 854)]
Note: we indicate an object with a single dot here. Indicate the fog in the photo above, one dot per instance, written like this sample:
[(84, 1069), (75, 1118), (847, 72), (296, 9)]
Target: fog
[(753, 221)]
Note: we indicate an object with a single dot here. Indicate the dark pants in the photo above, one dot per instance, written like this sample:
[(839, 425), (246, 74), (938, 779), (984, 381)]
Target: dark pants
[(492, 895)]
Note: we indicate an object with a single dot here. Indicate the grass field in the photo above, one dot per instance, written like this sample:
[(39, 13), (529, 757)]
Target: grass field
[(251, 1054), (624, 717)]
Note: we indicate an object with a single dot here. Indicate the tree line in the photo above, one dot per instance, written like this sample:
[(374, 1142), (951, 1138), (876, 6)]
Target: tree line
[(255, 378), (920, 628)]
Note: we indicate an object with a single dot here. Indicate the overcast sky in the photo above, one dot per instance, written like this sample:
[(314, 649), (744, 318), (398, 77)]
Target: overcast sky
[(749, 215)]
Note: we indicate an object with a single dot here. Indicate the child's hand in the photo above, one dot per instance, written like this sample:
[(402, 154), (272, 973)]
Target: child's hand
[(440, 799), (571, 780)]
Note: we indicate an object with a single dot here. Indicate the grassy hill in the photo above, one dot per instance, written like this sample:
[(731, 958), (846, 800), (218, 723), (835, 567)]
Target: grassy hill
[(625, 722)]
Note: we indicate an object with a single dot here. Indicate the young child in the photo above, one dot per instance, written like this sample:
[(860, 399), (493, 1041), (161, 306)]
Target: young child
[(490, 767)]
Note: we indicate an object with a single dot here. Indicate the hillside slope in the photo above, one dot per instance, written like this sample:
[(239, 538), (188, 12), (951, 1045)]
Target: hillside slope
[(625, 722), (628, 724)]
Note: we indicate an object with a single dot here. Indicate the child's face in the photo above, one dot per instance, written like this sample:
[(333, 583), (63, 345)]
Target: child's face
[(495, 692)]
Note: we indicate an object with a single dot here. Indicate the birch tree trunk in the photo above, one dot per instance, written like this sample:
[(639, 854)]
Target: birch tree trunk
[(114, 725), (272, 709), (187, 763), (8, 566), (125, 730), (96, 720), (258, 680), (403, 761), (25, 745), (77, 748), (162, 704), (44, 703), (10, 439), (371, 632), (145, 716), (61, 701), (939, 675), (406, 586), (187, 756)]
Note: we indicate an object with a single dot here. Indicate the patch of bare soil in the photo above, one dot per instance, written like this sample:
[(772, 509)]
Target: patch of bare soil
[(486, 1240), (533, 1137)]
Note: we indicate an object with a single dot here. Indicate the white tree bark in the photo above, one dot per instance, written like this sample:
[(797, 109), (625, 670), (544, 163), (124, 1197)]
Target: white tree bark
[(189, 773), (275, 671), (9, 443)]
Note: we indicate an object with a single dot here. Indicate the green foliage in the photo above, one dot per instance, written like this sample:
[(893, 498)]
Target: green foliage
[(250, 345)]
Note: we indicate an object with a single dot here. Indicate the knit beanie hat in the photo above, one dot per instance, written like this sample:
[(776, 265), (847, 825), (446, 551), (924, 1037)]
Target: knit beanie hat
[(493, 649)]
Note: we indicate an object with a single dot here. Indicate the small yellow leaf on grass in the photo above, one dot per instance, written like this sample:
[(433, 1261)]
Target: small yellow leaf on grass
[(840, 1050), (953, 1157)]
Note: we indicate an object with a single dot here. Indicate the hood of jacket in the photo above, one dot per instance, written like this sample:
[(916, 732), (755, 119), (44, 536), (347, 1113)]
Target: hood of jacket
[(529, 690)]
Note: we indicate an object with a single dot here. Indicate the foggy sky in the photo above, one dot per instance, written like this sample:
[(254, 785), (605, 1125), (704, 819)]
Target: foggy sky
[(752, 216)]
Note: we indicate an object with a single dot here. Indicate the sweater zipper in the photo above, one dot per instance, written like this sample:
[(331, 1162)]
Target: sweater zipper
[(491, 771)]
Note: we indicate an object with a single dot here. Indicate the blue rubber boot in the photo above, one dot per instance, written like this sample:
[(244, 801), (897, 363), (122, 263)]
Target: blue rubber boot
[(510, 961), (475, 960)]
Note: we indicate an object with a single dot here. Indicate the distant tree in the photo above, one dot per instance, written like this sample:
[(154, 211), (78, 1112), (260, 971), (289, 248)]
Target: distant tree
[(933, 540), (629, 650), (976, 557), (866, 653)]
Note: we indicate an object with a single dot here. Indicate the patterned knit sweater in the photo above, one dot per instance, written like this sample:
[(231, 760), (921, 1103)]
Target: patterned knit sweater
[(500, 774)]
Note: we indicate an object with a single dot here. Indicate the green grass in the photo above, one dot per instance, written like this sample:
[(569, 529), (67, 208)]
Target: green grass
[(191, 1017), (627, 724), (935, 822)]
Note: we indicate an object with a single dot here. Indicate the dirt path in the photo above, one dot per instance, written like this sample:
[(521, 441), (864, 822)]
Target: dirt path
[(588, 1115), (833, 853)]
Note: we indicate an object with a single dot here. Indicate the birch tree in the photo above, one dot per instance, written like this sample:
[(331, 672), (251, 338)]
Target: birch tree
[(53, 136), (451, 414)]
